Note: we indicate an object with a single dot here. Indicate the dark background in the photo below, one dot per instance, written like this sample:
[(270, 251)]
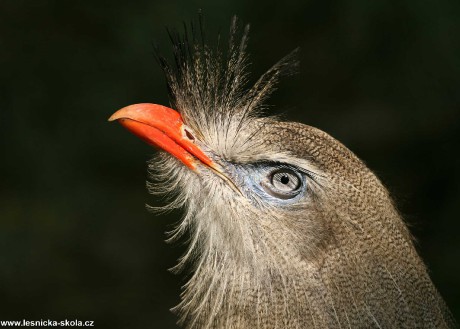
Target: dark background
[(75, 239)]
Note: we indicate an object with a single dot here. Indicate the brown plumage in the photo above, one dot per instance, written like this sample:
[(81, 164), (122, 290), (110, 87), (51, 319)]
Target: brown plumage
[(287, 228)]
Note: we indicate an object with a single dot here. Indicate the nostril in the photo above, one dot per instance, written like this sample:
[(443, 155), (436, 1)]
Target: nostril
[(189, 135)]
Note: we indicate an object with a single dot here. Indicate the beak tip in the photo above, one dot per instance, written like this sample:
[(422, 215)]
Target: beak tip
[(115, 116)]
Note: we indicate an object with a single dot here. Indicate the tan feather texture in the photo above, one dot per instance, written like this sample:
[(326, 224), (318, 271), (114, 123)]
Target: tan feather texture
[(340, 257)]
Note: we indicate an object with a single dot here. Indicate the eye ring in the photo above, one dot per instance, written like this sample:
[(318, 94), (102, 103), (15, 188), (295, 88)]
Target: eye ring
[(282, 183)]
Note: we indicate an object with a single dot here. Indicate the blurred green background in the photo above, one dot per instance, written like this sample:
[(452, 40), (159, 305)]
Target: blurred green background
[(75, 239)]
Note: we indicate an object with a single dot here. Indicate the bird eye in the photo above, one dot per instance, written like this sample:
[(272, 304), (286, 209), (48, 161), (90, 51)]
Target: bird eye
[(282, 183)]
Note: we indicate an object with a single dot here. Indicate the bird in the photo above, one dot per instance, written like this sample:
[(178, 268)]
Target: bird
[(285, 226)]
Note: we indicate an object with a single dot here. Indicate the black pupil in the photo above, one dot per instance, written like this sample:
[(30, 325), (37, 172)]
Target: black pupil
[(284, 179)]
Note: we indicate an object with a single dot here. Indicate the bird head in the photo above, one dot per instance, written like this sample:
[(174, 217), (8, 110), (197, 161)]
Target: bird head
[(286, 227)]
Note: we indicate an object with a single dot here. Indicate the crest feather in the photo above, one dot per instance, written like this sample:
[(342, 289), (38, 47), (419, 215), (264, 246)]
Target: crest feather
[(208, 84)]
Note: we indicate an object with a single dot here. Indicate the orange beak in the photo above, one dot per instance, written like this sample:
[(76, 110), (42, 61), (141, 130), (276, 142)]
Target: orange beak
[(162, 127)]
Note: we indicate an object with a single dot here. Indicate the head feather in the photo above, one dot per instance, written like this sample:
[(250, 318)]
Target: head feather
[(208, 84)]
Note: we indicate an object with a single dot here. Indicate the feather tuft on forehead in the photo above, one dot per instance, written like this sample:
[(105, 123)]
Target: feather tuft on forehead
[(209, 85)]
